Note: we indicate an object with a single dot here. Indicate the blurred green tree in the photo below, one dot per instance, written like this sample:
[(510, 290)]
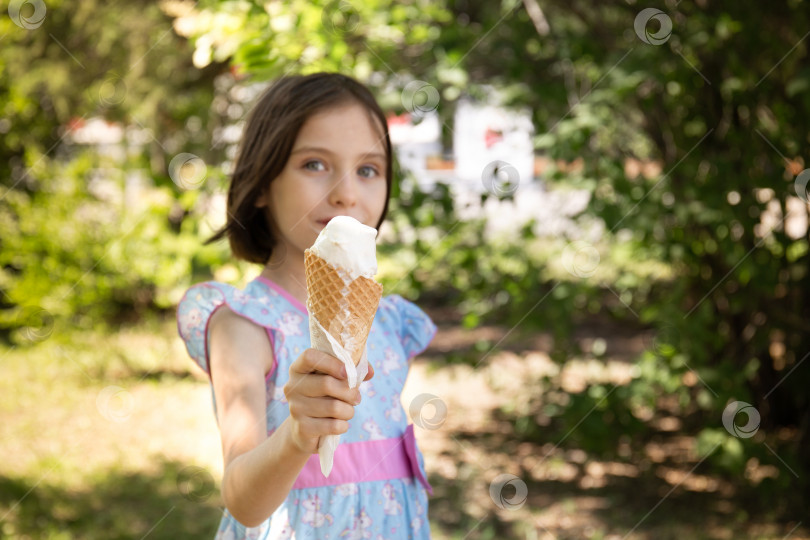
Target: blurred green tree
[(715, 95), (715, 89), (95, 228)]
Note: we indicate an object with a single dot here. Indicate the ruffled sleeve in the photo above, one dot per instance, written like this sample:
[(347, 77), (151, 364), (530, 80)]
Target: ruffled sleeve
[(193, 314), (202, 300), (413, 326)]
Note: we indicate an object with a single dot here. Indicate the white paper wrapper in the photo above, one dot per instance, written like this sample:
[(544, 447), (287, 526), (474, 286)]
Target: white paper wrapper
[(325, 342)]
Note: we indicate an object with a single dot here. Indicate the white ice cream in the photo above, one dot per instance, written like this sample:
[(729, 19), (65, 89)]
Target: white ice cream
[(348, 244)]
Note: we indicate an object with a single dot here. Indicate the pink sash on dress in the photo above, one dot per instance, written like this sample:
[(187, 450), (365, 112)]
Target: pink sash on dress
[(367, 461)]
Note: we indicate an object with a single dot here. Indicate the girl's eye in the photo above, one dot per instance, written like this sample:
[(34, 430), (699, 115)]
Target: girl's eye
[(314, 165), (367, 171)]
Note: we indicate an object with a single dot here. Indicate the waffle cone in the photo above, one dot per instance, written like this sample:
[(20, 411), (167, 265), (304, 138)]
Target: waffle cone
[(346, 311)]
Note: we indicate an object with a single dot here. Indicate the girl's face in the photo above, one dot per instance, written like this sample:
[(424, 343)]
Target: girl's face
[(336, 168)]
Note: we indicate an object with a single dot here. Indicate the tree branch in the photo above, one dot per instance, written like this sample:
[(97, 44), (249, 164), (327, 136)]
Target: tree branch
[(537, 17)]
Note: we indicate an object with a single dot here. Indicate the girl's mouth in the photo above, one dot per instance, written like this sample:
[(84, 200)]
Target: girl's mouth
[(327, 220)]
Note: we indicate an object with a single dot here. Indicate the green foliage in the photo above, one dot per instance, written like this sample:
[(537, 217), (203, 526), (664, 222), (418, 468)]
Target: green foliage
[(266, 40), (91, 233), (715, 105), (95, 233), (121, 62), (88, 243)]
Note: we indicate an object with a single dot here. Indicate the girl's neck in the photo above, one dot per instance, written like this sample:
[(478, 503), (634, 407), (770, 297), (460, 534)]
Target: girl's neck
[(290, 276), (288, 273)]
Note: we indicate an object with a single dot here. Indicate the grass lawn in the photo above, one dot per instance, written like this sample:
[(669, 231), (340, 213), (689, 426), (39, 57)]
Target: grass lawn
[(111, 435), (107, 436)]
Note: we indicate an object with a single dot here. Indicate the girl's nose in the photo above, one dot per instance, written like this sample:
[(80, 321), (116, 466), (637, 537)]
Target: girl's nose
[(344, 193)]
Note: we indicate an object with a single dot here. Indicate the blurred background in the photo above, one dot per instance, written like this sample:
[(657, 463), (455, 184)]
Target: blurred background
[(603, 206)]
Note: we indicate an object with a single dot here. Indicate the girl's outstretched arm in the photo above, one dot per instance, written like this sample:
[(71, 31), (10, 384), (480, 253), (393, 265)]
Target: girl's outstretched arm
[(260, 470)]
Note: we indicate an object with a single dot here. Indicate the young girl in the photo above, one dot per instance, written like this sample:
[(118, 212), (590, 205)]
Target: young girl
[(314, 147)]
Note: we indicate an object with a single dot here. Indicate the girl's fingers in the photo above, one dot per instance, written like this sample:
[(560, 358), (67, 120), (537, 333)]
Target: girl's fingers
[(318, 427), (324, 416), (314, 361), (313, 386), (328, 408)]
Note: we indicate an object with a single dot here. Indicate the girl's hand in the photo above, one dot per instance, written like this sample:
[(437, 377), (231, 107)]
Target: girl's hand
[(321, 402)]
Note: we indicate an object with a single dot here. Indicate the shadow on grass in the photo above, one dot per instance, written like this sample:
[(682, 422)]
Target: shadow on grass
[(668, 500), (177, 501), (450, 513)]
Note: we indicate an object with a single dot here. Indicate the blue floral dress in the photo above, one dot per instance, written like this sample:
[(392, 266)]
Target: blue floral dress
[(377, 488)]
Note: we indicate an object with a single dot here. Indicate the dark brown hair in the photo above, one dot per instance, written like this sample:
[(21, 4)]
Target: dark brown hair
[(267, 142)]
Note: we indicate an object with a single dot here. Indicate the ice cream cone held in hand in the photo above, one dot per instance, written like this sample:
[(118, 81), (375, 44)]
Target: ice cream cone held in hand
[(330, 297), (342, 298)]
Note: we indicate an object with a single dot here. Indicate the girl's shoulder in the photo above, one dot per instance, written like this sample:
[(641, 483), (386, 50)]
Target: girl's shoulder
[(408, 322), (257, 303)]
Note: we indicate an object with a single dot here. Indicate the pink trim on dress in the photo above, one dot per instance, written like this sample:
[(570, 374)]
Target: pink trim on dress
[(269, 336), (367, 461), (272, 348), (205, 341), (283, 292)]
